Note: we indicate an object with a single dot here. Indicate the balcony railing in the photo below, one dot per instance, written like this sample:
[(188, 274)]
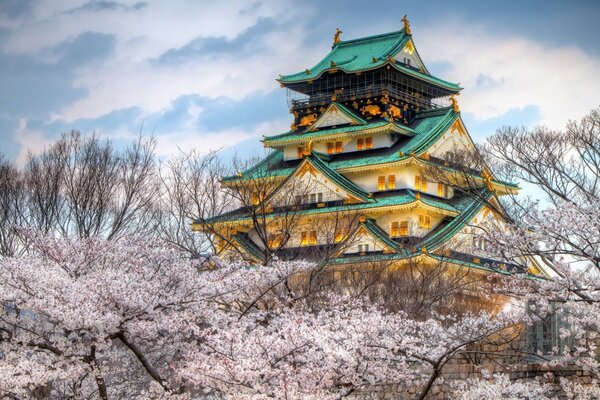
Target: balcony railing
[(298, 101)]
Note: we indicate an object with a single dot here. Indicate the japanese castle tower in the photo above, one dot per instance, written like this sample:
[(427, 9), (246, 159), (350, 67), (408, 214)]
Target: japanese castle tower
[(349, 178)]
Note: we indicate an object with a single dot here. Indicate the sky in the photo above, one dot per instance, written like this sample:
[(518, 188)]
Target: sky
[(201, 74)]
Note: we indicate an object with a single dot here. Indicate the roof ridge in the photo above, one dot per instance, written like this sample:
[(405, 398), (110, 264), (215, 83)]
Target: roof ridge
[(371, 37)]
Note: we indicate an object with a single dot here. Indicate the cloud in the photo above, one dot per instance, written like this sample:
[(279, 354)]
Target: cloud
[(501, 73)]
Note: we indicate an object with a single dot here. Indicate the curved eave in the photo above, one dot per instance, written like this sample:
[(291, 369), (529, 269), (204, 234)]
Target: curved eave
[(366, 207), (324, 135)]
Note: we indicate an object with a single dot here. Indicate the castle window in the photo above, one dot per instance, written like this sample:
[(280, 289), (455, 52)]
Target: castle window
[(363, 248), (424, 221), (302, 151), (420, 184), (407, 61), (441, 189), (275, 240), (394, 229), (255, 199), (369, 143), (312, 238), (403, 228), (316, 197), (330, 148), (381, 183), (391, 183), (308, 238), (340, 234), (303, 238), (360, 144), (338, 147)]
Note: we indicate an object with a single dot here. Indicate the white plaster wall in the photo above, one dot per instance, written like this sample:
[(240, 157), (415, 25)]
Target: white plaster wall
[(306, 185), (451, 140), (405, 179), (381, 140)]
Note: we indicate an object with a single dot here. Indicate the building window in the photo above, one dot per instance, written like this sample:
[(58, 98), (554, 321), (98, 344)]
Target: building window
[(302, 151), (312, 238), (330, 148), (394, 232), (543, 336), (360, 144), (441, 189), (338, 147), (403, 228), (275, 240), (369, 143), (316, 197), (407, 61), (391, 182), (341, 234), (420, 184), (424, 221), (381, 183), (363, 248), (303, 238)]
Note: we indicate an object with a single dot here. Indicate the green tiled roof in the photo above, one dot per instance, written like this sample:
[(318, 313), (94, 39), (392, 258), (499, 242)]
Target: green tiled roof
[(366, 54), (382, 199), (371, 226), (292, 136), (339, 180), (248, 246)]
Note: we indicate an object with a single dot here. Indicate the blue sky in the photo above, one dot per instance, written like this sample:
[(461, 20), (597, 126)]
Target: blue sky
[(201, 74)]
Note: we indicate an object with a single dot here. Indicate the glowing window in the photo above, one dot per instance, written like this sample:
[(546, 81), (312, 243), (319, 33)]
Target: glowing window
[(360, 144), (441, 189), (303, 238), (330, 148), (424, 221), (404, 228), (312, 238), (394, 229), (420, 184), (301, 151), (391, 182), (338, 147), (381, 183), (369, 143)]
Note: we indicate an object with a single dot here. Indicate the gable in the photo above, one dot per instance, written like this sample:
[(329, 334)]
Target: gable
[(336, 115), (408, 55), (455, 138), (307, 180)]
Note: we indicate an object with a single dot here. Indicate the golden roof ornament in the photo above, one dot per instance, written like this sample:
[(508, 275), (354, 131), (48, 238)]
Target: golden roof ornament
[(454, 103), (406, 25), (336, 37)]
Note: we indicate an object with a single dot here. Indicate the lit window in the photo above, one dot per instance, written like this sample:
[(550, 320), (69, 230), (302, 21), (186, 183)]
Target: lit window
[(381, 183), (275, 241), (340, 234), (369, 143), (301, 151), (303, 238), (420, 184), (360, 144), (404, 228), (391, 182), (255, 199), (313, 238), (330, 148), (441, 189), (394, 229), (424, 222), (338, 147)]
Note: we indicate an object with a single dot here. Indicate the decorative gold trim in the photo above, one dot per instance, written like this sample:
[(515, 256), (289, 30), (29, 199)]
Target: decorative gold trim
[(336, 36), (406, 25)]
